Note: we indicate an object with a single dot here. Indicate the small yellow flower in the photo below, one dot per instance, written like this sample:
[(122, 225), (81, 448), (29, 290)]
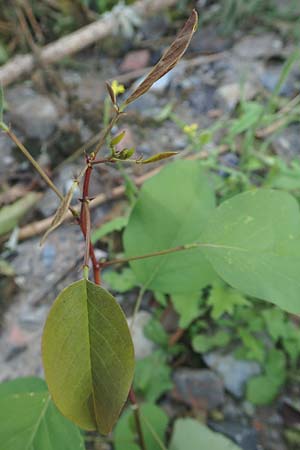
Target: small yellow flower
[(117, 88), (190, 129)]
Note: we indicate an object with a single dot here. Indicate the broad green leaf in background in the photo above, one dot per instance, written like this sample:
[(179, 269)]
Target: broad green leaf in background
[(263, 389), (253, 243), (191, 434), (154, 424), (187, 307), (88, 356), (116, 224), (120, 281), (10, 215), (171, 210), (223, 299), (29, 419), (153, 376)]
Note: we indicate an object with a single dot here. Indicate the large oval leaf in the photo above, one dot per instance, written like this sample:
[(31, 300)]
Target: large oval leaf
[(171, 210), (198, 436), (29, 419), (254, 244), (88, 356)]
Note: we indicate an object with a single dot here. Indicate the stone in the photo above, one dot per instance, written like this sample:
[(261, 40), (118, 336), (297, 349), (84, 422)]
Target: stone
[(242, 435), (143, 347), (271, 74), (261, 46), (203, 99), (200, 388), (147, 107), (207, 40), (231, 94), (33, 114), (135, 60), (235, 373), (91, 90), (286, 144)]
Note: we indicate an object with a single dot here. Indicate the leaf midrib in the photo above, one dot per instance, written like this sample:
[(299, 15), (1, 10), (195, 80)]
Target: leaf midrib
[(40, 418)]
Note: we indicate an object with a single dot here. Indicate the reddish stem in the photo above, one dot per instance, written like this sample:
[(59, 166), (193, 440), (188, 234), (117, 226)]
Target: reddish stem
[(83, 221), (137, 418)]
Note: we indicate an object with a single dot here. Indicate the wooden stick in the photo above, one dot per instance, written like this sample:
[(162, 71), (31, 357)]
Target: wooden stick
[(76, 41)]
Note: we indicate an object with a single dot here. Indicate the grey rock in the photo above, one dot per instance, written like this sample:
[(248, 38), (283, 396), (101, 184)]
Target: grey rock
[(147, 107), (91, 90), (232, 93), (202, 389), (207, 40), (6, 156), (33, 114), (235, 373), (244, 436), (203, 99), (143, 347), (286, 143), (271, 75), (261, 46)]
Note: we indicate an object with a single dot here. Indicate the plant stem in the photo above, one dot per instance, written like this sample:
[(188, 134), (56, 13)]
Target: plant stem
[(137, 306), (37, 167), (85, 225), (137, 418), (179, 248), (106, 132)]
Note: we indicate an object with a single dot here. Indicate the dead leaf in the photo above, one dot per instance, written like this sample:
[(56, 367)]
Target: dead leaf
[(61, 211), (169, 59)]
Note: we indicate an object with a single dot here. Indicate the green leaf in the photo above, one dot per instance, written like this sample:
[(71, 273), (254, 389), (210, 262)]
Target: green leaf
[(262, 389), (171, 211), (251, 113), (120, 281), (254, 348), (156, 332), (252, 241), (154, 423), (198, 436), (157, 157), (152, 376), (22, 386), (187, 306), (117, 139), (275, 321), (205, 343), (11, 215), (88, 356), (116, 224), (223, 300), (30, 420)]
